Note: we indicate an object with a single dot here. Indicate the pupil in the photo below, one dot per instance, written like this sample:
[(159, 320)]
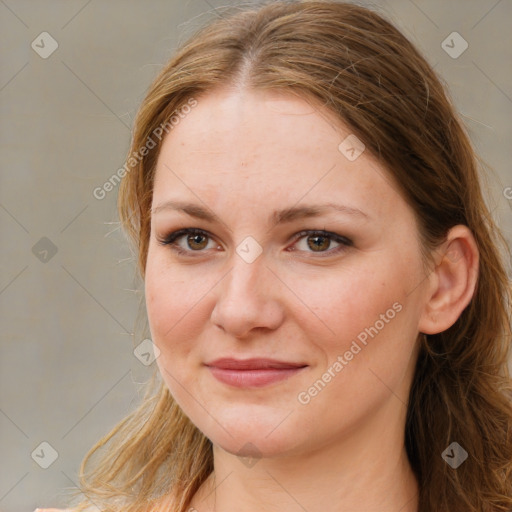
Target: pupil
[(194, 239), (318, 244)]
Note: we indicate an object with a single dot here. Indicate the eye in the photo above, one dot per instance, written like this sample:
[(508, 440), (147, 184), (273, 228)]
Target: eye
[(195, 241), (315, 241), (320, 242)]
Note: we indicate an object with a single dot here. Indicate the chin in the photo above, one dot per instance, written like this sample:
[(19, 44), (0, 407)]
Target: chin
[(253, 448), (253, 439)]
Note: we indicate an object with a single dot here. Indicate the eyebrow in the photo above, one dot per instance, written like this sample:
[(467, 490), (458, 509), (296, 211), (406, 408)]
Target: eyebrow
[(277, 217)]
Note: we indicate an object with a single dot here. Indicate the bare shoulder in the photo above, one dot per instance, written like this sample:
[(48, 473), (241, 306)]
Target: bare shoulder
[(53, 510), (69, 509), (163, 503)]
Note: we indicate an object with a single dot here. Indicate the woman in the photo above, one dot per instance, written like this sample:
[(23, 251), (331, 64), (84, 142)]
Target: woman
[(322, 279)]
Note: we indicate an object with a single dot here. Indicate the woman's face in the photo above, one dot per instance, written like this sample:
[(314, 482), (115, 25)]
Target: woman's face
[(305, 253)]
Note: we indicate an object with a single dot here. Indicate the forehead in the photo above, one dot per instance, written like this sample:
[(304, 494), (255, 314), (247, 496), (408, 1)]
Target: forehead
[(251, 125), (267, 147)]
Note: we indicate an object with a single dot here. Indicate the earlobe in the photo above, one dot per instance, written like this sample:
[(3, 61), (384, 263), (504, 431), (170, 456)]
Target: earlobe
[(452, 282)]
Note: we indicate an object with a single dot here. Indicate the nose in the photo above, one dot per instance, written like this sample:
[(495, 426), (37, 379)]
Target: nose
[(248, 298)]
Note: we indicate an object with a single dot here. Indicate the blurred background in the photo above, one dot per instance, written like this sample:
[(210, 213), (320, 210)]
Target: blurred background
[(73, 73)]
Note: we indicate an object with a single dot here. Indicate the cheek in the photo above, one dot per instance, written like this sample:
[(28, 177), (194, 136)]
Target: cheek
[(169, 299), (177, 303), (341, 304), (366, 319), (369, 353)]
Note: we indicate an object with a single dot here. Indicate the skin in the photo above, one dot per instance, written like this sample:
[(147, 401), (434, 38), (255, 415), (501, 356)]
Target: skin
[(243, 154)]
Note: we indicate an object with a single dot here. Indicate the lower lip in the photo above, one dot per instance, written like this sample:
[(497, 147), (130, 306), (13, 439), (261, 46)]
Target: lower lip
[(252, 378)]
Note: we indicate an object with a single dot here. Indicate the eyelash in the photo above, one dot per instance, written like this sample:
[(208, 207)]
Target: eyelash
[(172, 237)]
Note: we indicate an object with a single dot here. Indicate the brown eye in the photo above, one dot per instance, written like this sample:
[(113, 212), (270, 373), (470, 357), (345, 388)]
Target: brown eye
[(318, 243), (321, 243), (195, 243), (190, 240)]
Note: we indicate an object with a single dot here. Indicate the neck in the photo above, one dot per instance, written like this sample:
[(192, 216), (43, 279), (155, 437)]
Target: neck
[(366, 470)]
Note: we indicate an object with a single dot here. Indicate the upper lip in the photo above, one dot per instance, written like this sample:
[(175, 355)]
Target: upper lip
[(252, 364)]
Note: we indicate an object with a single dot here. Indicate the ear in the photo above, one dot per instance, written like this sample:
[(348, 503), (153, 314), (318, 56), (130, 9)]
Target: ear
[(452, 282)]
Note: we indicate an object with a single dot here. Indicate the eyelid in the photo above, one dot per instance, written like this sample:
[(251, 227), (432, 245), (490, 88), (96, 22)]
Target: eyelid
[(322, 232), (171, 238)]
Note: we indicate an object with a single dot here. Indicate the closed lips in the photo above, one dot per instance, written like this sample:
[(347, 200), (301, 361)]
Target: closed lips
[(254, 364)]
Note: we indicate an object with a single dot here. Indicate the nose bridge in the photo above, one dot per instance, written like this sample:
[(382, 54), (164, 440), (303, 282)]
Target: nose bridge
[(245, 280), (245, 299)]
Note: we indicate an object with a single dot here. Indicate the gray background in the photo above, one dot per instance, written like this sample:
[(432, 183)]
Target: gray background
[(67, 369)]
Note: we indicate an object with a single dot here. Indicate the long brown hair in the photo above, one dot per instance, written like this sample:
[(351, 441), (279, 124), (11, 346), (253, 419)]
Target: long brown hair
[(361, 68)]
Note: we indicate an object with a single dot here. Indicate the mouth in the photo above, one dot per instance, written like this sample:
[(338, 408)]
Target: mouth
[(250, 373)]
